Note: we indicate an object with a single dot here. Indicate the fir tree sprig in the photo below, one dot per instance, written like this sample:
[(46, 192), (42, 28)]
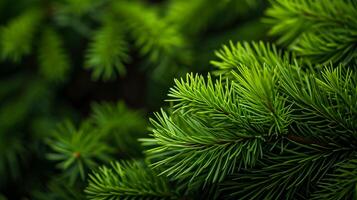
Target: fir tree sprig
[(322, 31), (290, 174), (220, 129), (77, 150), (16, 38), (154, 37), (120, 125), (108, 52), (191, 149), (54, 63), (250, 54), (128, 180), (341, 184)]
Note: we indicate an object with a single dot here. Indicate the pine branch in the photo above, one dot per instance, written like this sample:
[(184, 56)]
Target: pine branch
[(218, 128), (16, 37), (188, 148), (154, 37), (341, 184), (323, 105), (54, 62), (120, 125), (251, 102), (107, 52), (338, 46), (289, 175), (323, 31), (128, 180), (76, 151), (249, 54)]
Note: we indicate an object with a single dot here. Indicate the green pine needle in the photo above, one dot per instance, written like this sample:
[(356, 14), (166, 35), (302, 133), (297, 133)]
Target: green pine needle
[(323, 31), (128, 180)]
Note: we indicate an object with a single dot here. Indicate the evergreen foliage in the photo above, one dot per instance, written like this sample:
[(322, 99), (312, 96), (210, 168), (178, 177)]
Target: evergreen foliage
[(105, 60), (16, 37), (77, 150), (273, 117), (322, 31), (128, 180), (120, 125), (54, 62), (157, 43), (269, 125), (159, 37)]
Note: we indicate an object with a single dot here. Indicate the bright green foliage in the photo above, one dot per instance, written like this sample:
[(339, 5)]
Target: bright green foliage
[(53, 42), (251, 55), (54, 62), (128, 180), (154, 37), (322, 102), (291, 174), (268, 120), (215, 120), (268, 130), (321, 30), (271, 125), (16, 37), (107, 52), (77, 150), (238, 111), (191, 149)]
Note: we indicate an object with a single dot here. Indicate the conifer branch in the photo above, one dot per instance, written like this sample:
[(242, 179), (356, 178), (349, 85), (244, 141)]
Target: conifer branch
[(76, 151), (16, 37), (341, 184), (322, 31), (54, 62), (290, 174), (108, 52), (128, 180), (120, 126), (217, 129), (154, 37)]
